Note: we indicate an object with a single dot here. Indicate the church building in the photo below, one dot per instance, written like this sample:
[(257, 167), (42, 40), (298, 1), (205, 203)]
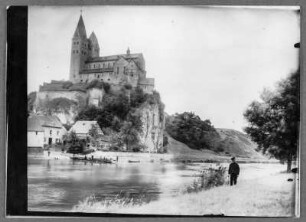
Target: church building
[(118, 70)]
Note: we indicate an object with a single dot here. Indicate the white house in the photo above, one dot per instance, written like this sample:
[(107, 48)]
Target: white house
[(35, 133), (44, 130), (82, 128)]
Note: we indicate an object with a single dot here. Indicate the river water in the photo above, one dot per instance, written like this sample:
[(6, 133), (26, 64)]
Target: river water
[(60, 184)]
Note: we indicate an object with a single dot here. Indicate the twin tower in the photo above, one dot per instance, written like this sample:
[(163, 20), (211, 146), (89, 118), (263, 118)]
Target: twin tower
[(82, 49), (87, 65)]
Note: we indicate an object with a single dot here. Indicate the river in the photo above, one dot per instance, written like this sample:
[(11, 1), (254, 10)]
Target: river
[(60, 184)]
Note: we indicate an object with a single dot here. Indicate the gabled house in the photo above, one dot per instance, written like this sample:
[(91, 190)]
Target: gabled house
[(82, 128), (44, 130), (35, 133)]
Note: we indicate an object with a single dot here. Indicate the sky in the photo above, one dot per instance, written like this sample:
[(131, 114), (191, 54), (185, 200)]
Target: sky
[(213, 61)]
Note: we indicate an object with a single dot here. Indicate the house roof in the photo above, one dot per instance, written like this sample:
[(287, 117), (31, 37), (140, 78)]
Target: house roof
[(37, 122), (83, 127), (34, 125)]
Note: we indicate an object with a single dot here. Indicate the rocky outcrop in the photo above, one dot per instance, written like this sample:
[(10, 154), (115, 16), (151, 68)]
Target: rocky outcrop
[(66, 104), (153, 128)]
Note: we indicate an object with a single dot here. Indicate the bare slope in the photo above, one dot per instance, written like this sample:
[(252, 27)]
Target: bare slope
[(238, 144)]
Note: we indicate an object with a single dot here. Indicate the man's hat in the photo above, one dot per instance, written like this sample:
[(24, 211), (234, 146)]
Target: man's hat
[(233, 158)]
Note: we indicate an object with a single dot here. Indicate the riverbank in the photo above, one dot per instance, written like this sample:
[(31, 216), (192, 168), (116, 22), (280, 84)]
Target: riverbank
[(132, 157), (269, 196)]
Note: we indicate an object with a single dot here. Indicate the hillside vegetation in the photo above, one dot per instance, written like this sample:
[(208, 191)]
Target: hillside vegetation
[(238, 144), (119, 116), (191, 137)]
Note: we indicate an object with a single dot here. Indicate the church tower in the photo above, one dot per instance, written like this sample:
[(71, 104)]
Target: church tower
[(79, 51), (93, 48)]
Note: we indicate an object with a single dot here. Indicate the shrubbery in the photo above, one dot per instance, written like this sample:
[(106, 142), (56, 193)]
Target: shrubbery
[(188, 128), (31, 101), (60, 103), (208, 179)]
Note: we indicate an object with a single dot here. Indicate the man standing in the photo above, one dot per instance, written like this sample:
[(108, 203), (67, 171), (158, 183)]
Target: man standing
[(233, 171)]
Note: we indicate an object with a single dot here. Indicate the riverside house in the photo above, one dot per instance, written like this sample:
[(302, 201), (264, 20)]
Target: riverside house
[(44, 130), (82, 128)]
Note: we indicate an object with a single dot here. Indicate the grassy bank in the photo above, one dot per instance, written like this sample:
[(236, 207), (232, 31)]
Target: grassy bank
[(269, 196)]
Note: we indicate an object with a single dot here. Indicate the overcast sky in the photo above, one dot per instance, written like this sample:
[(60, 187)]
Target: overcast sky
[(209, 60)]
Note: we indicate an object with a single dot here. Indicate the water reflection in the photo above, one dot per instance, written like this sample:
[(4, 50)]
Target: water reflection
[(61, 184)]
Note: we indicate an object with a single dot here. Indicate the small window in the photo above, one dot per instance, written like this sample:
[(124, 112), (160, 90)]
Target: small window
[(117, 70), (50, 132), (36, 132)]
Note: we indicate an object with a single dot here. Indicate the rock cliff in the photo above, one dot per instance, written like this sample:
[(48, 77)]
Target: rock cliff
[(153, 128), (66, 104)]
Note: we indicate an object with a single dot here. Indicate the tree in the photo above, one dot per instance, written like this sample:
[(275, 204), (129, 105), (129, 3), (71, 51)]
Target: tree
[(71, 137), (31, 101), (94, 134), (129, 135), (188, 128), (274, 121), (88, 113)]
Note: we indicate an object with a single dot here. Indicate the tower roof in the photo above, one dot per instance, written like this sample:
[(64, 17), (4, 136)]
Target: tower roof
[(80, 31), (93, 39)]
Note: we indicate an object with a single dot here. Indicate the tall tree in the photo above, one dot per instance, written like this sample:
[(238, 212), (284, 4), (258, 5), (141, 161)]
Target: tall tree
[(274, 121)]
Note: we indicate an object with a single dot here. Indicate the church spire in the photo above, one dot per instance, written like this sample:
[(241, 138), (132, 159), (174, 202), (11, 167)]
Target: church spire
[(94, 48), (80, 31)]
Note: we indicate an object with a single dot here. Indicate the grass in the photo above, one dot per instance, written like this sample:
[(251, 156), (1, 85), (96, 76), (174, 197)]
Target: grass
[(269, 196)]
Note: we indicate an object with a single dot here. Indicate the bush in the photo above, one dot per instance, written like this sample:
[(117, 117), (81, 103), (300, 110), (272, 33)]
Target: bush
[(128, 86), (94, 84), (99, 85), (106, 87), (208, 179), (60, 103), (138, 148)]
